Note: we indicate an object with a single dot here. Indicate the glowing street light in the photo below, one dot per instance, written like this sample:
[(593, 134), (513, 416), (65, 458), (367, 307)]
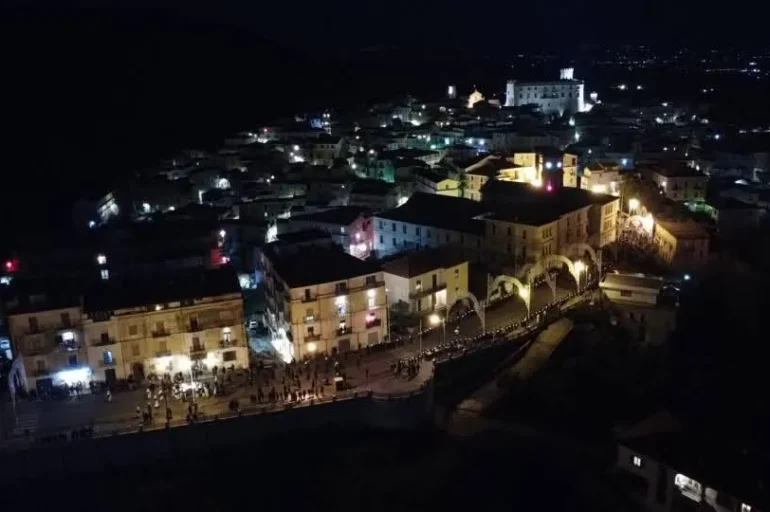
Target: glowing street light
[(526, 294), (633, 205), (580, 267)]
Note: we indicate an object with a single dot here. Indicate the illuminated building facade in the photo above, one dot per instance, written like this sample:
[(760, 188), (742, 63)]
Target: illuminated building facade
[(602, 177), (557, 97), (348, 226), (680, 183), (180, 322), (322, 302), (682, 244), (46, 333), (427, 281)]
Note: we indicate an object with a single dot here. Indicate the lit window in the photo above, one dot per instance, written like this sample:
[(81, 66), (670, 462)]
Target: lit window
[(745, 508), (637, 461), (101, 259), (105, 274)]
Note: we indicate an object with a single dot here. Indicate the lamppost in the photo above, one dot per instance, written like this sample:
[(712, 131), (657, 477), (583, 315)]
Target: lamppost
[(633, 205), (580, 267), (526, 295), (436, 319)]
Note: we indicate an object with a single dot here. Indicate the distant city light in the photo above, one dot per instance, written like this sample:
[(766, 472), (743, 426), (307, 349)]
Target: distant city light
[(101, 259), (222, 233), (296, 147), (624, 162), (91, 223), (548, 165), (622, 87), (687, 277), (639, 87)]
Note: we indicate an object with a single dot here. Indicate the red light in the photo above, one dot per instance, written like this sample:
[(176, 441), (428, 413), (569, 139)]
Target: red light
[(10, 265), (549, 187)]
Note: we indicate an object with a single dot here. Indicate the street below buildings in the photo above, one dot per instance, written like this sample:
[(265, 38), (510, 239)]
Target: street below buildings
[(363, 370)]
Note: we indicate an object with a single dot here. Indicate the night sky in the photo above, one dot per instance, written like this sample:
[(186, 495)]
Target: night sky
[(502, 24)]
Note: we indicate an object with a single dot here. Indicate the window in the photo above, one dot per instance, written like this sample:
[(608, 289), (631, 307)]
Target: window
[(380, 224), (196, 343), (65, 319), (162, 346), (226, 335), (418, 285), (135, 349), (229, 356), (40, 364), (33, 326), (105, 274), (307, 294), (105, 337), (417, 232), (159, 327), (381, 240), (636, 461), (371, 301), (394, 242), (107, 357), (523, 234), (72, 360), (428, 233), (341, 288), (133, 330), (457, 273), (494, 229), (371, 280), (393, 225), (448, 238)]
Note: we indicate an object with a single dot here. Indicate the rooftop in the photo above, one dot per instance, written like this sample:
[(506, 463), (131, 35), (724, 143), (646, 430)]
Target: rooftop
[(684, 229), (451, 213), (613, 280), (418, 263), (372, 187), (160, 288), (298, 237), (677, 170), (317, 265), (344, 215), (736, 470), (518, 195)]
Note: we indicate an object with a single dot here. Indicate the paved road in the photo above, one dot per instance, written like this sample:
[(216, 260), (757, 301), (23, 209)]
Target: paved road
[(53, 416)]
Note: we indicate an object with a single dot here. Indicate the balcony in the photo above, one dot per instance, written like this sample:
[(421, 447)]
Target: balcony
[(198, 351), (162, 353), (228, 343), (424, 292), (160, 333), (344, 331), (107, 364), (100, 342), (309, 298), (373, 323), (214, 324), (312, 337)]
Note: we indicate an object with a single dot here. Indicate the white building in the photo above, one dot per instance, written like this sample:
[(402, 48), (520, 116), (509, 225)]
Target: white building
[(554, 97)]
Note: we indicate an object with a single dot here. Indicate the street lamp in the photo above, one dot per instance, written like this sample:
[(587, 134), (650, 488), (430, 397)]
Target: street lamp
[(580, 267), (436, 319), (525, 294), (633, 205)]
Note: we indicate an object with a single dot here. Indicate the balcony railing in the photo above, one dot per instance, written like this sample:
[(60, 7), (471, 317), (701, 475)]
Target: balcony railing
[(344, 331), (162, 353), (424, 292), (343, 291), (228, 343), (313, 337), (216, 324), (160, 333), (197, 349), (107, 364), (373, 323), (100, 342)]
